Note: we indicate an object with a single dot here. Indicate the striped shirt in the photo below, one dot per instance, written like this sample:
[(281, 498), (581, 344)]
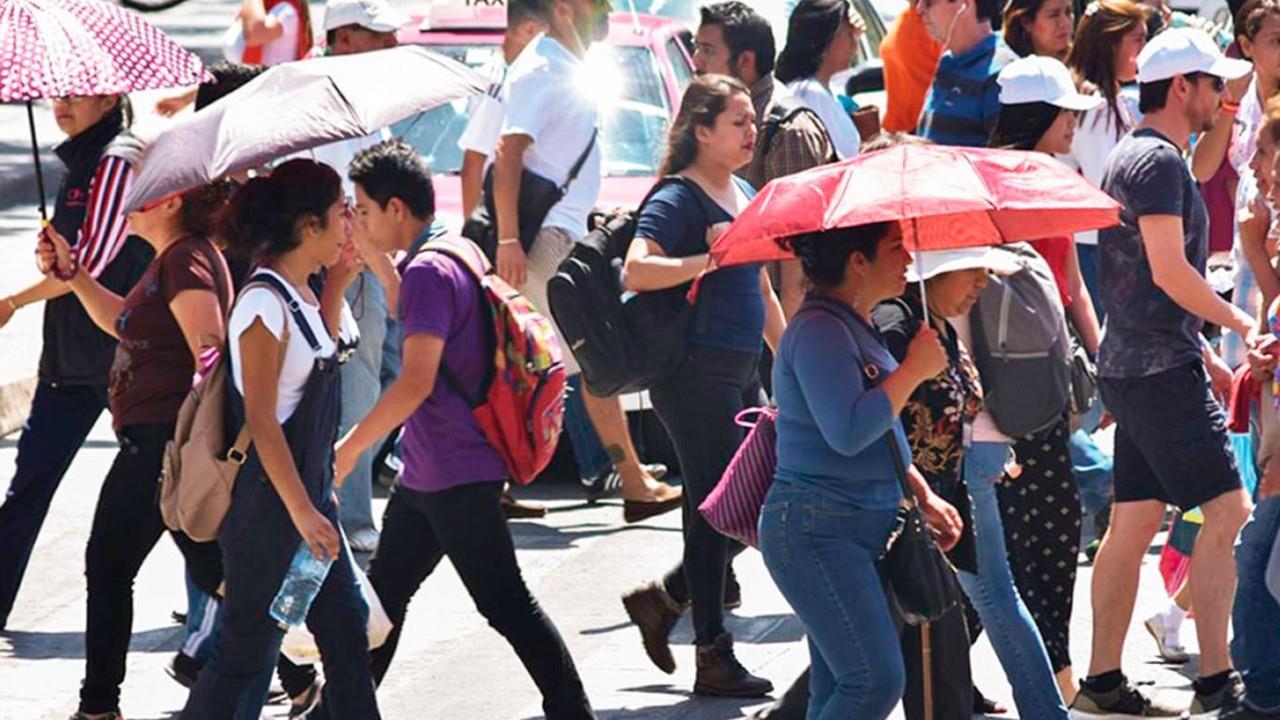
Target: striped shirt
[(964, 101), (105, 228)]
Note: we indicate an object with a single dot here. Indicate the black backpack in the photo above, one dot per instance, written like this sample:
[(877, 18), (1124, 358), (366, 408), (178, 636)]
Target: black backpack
[(623, 344)]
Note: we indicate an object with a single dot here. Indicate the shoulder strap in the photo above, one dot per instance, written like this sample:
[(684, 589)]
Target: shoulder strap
[(290, 303), (709, 206), (239, 450), (468, 255), (581, 161), (872, 379)]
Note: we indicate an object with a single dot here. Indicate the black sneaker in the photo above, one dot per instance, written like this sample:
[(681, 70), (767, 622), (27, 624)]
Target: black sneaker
[(184, 669), (1123, 702), (1229, 698)]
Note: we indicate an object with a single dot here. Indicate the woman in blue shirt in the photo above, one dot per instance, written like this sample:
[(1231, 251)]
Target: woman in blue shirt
[(835, 499), (713, 136)]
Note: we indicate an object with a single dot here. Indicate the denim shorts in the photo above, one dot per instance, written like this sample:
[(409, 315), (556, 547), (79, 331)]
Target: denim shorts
[(1171, 438)]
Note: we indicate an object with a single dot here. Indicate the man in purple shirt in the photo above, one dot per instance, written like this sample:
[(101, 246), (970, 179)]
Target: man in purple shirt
[(448, 502)]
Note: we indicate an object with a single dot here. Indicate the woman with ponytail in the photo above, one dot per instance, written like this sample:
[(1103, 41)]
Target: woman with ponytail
[(713, 136), (171, 317), (283, 347)]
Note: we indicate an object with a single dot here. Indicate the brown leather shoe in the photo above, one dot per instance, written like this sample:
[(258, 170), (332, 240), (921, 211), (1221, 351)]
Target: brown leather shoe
[(516, 510), (653, 610), (634, 511), (720, 673)]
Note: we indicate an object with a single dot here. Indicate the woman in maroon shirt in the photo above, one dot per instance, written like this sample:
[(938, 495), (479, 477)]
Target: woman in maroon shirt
[(174, 313)]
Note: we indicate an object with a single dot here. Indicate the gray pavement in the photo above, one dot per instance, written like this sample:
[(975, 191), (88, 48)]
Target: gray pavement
[(450, 665)]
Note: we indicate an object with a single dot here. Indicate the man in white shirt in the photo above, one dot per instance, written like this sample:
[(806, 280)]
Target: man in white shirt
[(484, 112), (356, 26), (550, 121)]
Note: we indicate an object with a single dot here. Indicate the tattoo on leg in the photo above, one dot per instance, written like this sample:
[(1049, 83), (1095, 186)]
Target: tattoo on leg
[(616, 454)]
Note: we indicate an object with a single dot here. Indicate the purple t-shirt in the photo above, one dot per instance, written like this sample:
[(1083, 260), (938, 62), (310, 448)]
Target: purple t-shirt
[(443, 446)]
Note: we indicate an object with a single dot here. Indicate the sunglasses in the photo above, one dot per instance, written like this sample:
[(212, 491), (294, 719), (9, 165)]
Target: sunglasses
[(1219, 84)]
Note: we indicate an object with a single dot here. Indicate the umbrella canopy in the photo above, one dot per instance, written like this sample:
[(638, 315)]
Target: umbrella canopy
[(953, 197), (70, 48), (294, 107)]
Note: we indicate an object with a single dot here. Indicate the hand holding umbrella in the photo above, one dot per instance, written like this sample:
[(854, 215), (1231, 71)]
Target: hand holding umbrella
[(75, 48)]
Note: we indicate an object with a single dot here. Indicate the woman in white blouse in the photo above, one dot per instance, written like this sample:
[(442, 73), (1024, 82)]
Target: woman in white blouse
[(822, 38)]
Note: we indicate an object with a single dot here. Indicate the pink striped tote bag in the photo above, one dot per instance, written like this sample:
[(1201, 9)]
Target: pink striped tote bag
[(733, 507)]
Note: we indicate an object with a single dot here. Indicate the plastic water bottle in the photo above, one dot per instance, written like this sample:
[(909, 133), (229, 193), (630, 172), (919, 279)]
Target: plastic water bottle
[(301, 585)]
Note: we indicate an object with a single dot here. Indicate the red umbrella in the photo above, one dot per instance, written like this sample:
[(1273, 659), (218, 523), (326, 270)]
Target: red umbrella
[(954, 197), (74, 48)]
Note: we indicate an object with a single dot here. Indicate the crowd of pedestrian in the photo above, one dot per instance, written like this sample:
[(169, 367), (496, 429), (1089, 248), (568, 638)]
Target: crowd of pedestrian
[(356, 332)]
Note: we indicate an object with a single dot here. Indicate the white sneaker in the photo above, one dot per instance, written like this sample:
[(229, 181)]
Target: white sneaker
[(363, 541), (1167, 642)]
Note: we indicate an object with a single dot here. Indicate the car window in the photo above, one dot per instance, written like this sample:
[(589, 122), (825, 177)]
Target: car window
[(679, 64), (634, 111)]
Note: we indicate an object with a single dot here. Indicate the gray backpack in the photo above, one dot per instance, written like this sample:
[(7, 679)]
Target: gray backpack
[(1022, 347)]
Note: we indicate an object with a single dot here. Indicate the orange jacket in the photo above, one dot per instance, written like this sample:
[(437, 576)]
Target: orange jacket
[(910, 59)]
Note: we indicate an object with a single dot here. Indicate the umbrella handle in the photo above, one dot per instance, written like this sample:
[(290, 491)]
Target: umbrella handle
[(35, 156), (924, 294)]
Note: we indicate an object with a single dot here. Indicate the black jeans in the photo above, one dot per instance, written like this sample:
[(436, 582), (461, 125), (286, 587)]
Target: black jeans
[(467, 524), (697, 405), (126, 526), (60, 420)]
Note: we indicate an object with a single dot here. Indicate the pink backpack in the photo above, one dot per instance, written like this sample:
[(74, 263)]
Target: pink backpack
[(521, 404)]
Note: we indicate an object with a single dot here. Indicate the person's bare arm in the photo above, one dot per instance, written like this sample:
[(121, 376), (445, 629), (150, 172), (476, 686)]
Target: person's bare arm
[(260, 366), (1253, 245), (46, 289), (472, 175), (508, 164), (336, 282), (648, 268), (1211, 149), (421, 356), (1162, 237), (199, 316)]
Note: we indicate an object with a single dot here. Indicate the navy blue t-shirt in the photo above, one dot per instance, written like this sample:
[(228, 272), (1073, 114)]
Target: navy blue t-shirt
[(730, 310)]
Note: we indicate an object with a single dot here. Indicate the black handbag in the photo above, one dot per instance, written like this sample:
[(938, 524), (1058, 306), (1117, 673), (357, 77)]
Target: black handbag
[(537, 196), (922, 582)]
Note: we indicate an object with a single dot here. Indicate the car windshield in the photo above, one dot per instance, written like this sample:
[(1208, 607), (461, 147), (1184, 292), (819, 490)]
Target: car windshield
[(626, 81)]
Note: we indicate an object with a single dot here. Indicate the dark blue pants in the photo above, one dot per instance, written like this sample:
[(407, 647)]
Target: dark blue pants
[(60, 420)]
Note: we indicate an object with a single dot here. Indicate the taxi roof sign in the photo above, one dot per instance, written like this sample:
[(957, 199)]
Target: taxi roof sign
[(466, 14)]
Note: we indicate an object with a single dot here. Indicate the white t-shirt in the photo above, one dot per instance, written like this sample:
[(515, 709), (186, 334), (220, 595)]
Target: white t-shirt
[(546, 101), (262, 302), (819, 98), (984, 426), (1095, 138), (280, 50), (484, 112)]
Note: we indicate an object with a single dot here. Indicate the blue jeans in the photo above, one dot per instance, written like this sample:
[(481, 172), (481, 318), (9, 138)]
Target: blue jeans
[(822, 555), (361, 385), (1093, 468), (587, 449), (1088, 255), (1013, 632), (1256, 615)]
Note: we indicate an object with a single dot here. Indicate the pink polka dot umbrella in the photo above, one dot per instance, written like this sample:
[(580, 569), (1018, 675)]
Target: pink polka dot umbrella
[(73, 48)]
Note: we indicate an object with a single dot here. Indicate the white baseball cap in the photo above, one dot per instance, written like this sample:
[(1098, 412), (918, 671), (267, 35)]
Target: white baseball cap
[(1042, 79), (375, 15), (1181, 51), (932, 263)]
